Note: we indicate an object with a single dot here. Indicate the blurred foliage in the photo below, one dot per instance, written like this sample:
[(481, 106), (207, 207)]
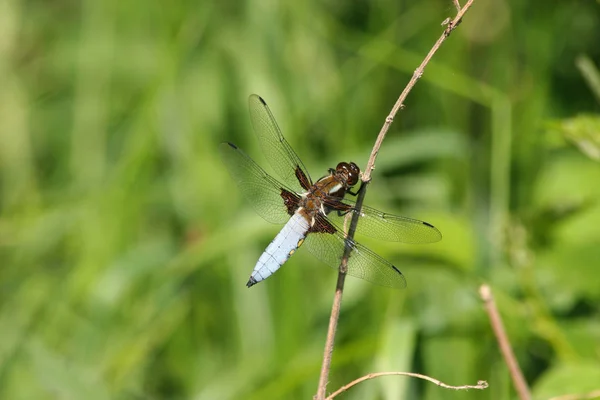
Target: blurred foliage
[(125, 247)]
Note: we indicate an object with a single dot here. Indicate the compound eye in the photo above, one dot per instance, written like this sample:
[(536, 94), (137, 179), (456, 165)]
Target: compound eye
[(353, 174), (350, 171)]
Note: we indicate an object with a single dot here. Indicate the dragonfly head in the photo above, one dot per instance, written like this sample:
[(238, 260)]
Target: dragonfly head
[(349, 172)]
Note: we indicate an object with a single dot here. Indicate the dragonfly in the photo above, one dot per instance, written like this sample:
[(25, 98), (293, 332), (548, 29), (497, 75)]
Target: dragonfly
[(313, 212)]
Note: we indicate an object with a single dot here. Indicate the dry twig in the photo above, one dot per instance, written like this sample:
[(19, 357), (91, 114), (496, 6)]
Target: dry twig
[(366, 177), (457, 5), (480, 384), (509, 357)]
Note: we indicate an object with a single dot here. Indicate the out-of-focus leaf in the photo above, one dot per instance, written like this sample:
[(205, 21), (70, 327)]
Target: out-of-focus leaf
[(64, 378), (396, 353), (118, 277), (568, 274), (433, 286), (566, 379), (590, 74), (421, 146), (584, 335), (583, 131), (565, 184), (452, 360)]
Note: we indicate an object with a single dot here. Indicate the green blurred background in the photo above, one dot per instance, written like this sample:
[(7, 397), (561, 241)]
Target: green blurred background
[(125, 246)]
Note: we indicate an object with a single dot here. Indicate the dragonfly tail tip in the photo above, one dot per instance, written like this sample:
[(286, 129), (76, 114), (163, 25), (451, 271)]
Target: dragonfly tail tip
[(251, 282)]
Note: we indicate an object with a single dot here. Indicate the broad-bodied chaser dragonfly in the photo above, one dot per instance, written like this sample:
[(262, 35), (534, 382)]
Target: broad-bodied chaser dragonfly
[(314, 212)]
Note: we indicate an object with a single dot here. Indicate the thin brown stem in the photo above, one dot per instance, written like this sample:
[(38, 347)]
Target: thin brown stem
[(337, 301), (485, 292), (416, 75), (333, 318), (457, 5), (480, 384), (366, 177)]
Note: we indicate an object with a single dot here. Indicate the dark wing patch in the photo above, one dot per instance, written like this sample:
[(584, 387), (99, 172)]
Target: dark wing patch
[(303, 179), (290, 200), (321, 225)]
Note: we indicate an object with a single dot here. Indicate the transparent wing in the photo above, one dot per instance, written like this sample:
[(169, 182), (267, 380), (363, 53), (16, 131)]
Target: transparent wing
[(383, 226), (284, 161), (362, 263), (262, 191)]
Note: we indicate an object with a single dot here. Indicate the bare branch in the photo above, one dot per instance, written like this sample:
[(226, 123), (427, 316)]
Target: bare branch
[(416, 75), (457, 5), (337, 301), (485, 292), (366, 177), (480, 384)]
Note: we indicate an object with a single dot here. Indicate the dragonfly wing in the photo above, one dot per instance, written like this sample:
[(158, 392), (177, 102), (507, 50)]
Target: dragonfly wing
[(362, 263), (263, 192), (384, 226), (278, 152)]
